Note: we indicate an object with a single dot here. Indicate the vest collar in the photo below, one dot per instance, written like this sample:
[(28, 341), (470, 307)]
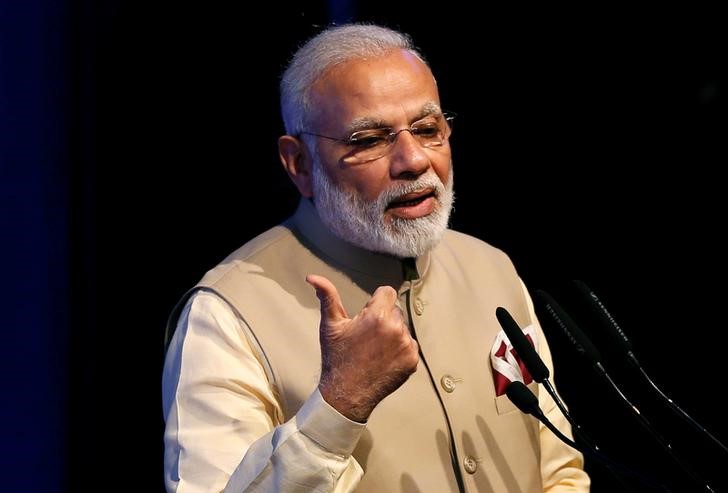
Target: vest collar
[(307, 222)]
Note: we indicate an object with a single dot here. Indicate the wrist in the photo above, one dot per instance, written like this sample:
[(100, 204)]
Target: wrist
[(345, 403)]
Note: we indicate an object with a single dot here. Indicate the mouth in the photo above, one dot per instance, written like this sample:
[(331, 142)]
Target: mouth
[(415, 204), (411, 199)]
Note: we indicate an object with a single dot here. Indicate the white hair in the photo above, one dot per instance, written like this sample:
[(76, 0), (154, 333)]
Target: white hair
[(327, 49)]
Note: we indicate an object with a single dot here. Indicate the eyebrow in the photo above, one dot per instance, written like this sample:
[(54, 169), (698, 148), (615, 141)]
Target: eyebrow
[(367, 122)]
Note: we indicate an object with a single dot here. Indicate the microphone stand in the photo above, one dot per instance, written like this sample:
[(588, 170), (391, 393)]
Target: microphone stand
[(617, 332), (672, 405), (524, 399), (587, 349), (540, 374)]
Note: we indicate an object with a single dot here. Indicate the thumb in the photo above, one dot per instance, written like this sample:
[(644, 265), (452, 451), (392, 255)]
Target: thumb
[(332, 309)]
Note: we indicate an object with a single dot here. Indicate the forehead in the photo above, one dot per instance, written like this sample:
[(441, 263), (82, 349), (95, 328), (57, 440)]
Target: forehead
[(391, 88)]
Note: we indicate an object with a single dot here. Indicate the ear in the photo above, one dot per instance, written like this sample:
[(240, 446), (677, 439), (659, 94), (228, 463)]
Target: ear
[(297, 163)]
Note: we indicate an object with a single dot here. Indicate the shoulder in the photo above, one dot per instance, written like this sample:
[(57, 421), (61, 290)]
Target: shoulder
[(275, 239), (472, 258), (206, 304), (464, 244), (264, 249)]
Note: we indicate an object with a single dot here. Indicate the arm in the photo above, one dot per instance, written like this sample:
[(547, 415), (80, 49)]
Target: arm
[(223, 423), (562, 468)]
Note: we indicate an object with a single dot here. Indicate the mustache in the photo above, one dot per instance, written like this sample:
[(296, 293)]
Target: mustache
[(428, 181)]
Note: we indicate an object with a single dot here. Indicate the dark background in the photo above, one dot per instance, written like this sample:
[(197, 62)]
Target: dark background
[(139, 148)]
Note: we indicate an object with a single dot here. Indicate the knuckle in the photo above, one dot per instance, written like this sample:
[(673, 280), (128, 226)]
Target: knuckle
[(411, 363)]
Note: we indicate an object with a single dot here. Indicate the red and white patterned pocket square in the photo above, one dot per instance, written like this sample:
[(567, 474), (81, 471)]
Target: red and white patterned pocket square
[(507, 365)]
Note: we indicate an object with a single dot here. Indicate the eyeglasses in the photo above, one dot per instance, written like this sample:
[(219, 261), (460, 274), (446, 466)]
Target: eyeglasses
[(368, 145)]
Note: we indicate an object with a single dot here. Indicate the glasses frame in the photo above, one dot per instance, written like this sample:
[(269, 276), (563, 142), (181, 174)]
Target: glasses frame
[(391, 136)]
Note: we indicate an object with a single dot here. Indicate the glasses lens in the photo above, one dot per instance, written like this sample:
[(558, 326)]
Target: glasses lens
[(368, 145), (430, 133)]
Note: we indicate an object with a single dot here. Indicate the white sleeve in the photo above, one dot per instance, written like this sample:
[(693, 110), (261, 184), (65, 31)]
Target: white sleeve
[(223, 423)]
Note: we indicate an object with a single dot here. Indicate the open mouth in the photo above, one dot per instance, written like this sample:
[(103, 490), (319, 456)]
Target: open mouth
[(411, 199)]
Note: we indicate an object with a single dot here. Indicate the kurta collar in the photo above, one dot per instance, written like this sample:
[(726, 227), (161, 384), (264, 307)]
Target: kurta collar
[(307, 222)]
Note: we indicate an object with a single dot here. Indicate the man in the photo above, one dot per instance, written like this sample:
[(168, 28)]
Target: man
[(395, 390)]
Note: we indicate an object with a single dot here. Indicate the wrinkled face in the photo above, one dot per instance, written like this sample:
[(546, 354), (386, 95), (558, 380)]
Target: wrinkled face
[(402, 197)]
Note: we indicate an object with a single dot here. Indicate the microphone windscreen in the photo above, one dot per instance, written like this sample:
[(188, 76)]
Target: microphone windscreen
[(525, 350), (606, 319), (523, 398), (573, 332)]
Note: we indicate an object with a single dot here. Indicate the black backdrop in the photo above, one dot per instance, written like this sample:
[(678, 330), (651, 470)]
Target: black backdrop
[(588, 145)]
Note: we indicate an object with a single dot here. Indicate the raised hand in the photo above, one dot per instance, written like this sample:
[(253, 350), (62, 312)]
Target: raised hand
[(364, 358)]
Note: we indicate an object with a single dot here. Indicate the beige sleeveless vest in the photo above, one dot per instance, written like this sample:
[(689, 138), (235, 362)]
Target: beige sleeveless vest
[(449, 400)]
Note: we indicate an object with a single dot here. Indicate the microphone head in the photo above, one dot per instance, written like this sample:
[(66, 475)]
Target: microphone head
[(523, 398), (529, 356), (582, 343), (605, 318)]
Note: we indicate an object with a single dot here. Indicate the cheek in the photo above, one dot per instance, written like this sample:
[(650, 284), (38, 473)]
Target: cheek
[(368, 182), (441, 166), (352, 179)]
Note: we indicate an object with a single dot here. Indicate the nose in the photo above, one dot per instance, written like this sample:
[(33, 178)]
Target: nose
[(407, 156)]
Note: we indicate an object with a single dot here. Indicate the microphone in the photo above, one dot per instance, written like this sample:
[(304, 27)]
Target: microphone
[(525, 350), (585, 347), (527, 402), (611, 327), (539, 371)]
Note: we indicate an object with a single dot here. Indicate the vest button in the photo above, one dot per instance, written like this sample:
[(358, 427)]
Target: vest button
[(419, 306), (470, 464), (448, 383)]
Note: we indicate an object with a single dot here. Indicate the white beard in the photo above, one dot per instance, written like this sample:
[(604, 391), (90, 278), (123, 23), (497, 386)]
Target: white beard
[(363, 224)]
